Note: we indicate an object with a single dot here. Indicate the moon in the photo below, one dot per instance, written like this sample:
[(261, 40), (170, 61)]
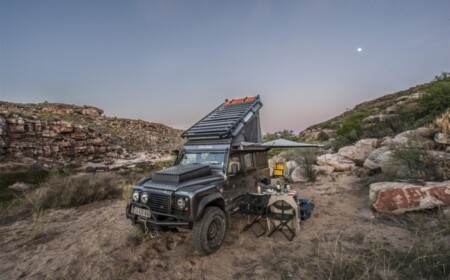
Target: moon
[(359, 49)]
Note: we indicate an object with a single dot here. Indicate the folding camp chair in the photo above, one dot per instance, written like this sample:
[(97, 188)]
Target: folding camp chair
[(254, 205), (280, 214)]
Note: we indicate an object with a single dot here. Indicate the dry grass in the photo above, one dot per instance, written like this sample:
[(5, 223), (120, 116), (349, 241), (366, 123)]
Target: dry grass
[(61, 191), (443, 122)]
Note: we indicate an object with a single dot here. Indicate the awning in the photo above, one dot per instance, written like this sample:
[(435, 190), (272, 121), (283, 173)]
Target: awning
[(283, 143), (279, 143)]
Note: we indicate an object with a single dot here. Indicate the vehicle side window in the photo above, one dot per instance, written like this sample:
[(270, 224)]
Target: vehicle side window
[(234, 165), (261, 159), (248, 161)]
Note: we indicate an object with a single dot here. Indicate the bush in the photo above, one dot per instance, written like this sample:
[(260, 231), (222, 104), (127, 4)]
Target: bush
[(351, 128), (61, 191), (9, 178), (305, 158), (412, 163), (323, 136), (403, 120), (443, 122), (436, 99)]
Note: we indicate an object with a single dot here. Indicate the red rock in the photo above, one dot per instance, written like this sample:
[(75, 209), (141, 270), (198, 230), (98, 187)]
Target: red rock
[(402, 197)]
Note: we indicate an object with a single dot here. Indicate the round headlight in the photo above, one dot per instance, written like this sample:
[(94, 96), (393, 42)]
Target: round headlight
[(181, 203), (135, 196), (144, 197)]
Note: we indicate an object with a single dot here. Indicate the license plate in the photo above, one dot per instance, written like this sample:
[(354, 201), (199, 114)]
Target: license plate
[(141, 212)]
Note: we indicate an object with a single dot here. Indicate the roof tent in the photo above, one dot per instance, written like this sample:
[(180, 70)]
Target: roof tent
[(234, 121)]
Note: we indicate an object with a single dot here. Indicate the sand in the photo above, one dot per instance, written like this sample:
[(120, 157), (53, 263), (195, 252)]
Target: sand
[(96, 241)]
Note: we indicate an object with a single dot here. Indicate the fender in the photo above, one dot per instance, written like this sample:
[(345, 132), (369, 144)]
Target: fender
[(206, 200)]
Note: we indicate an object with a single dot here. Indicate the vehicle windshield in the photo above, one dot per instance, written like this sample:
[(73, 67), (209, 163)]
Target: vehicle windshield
[(214, 159)]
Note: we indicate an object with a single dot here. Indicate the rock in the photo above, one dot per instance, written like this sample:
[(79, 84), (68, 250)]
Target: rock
[(378, 158), (386, 141), (339, 163), (21, 187), (360, 151), (298, 175), (291, 165), (413, 138), (442, 138), (425, 132), (366, 213), (380, 118), (398, 198), (326, 169)]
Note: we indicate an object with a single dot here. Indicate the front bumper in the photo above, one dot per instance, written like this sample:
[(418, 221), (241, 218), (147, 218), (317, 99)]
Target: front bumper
[(169, 221)]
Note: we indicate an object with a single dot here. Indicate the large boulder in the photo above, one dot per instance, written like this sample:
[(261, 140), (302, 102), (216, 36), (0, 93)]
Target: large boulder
[(298, 175), (360, 151), (378, 158), (339, 163), (398, 198), (414, 138)]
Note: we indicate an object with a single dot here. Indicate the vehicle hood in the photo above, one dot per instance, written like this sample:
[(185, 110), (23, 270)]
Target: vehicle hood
[(183, 176)]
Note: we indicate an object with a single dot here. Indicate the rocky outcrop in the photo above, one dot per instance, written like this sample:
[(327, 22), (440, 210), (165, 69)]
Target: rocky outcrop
[(398, 198), (58, 139), (339, 163), (360, 151), (66, 134)]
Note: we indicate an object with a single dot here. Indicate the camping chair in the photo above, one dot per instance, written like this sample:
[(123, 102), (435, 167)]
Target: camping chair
[(254, 205), (280, 215)]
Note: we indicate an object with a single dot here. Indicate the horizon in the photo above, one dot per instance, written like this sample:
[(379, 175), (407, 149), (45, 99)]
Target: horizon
[(208, 111), (173, 62)]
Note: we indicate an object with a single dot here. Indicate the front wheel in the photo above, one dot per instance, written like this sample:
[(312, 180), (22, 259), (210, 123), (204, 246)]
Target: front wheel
[(208, 232)]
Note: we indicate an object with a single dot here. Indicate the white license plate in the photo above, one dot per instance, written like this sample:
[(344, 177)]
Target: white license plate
[(141, 212)]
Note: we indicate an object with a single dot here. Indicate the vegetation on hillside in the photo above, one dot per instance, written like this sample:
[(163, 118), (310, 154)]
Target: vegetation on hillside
[(433, 101)]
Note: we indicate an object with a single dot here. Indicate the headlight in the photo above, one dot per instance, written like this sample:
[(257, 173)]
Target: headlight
[(144, 197), (181, 203), (135, 196)]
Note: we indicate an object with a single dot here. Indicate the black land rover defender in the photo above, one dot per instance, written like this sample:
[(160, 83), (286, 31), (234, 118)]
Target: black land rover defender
[(221, 160)]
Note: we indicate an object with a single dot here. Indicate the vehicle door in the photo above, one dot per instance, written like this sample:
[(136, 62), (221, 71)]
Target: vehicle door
[(241, 176)]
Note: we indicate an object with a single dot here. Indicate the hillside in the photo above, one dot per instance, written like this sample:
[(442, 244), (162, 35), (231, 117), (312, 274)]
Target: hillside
[(387, 115), (62, 134)]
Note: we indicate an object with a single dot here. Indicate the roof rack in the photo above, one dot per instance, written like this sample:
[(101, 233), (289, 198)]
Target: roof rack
[(226, 121)]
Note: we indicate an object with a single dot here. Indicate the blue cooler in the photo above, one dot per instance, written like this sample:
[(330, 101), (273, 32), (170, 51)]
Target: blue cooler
[(305, 207)]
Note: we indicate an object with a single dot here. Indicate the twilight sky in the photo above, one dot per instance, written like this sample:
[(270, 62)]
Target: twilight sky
[(173, 62)]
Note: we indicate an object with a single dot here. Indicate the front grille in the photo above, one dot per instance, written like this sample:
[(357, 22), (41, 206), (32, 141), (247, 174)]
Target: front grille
[(159, 202)]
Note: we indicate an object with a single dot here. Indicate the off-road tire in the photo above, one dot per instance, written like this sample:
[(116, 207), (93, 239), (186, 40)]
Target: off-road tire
[(208, 232)]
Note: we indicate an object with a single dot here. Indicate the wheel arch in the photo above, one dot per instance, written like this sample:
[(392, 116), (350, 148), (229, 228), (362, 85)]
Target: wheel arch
[(214, 199)]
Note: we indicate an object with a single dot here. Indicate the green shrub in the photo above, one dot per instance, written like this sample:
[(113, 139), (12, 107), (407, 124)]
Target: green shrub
[(323, 136), (436, 99), (9, 178), (404, 119), (351, 128), (305, 158), (61, 191), (412, 163)]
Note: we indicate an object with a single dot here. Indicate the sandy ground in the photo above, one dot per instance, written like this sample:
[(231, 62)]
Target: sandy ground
[(97, 242)]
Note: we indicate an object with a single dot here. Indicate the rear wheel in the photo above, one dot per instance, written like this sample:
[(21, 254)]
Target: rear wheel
[(208, 232)]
